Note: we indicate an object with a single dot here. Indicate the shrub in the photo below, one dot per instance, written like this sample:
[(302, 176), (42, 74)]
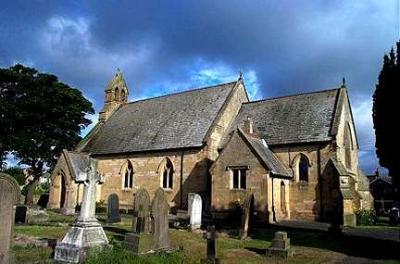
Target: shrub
[(366, 217)]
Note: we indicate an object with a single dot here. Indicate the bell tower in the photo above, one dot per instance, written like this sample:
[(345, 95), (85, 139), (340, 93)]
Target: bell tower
[(116, 94)]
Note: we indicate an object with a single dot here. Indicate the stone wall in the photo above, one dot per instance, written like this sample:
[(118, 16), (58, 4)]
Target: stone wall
[(225, 118), (148, 172), (305, 196)]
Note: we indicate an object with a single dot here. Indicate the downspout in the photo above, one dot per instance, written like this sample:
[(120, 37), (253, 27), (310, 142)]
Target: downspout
[(273, 202), (181, 182), (321, 208)]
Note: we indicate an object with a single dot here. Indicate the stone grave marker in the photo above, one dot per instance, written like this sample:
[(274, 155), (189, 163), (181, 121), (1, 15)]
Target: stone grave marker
[(247, 214), (86, 232), (113, 215), (280, 246), (211, 237), (194, 210), (141, 212), (20, 214), (43, 200), (159, 213), (139, 239), (9, 196)]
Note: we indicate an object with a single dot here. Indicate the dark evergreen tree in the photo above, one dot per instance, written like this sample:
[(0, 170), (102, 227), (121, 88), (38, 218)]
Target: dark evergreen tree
[(40, 116), (386, 114)]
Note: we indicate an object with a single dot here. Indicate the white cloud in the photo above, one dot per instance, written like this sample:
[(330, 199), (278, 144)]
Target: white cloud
[(201, 74)]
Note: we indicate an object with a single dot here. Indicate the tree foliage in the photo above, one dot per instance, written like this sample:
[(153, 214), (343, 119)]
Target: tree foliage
[(385, 114), (40, 116)]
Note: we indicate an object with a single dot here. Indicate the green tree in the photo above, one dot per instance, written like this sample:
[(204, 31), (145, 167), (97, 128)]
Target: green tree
[(385, 114), (41, 116), (17, 173)]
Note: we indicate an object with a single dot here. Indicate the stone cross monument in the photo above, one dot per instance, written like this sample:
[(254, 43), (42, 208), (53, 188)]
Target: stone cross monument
[(86, 232), (211, 236)]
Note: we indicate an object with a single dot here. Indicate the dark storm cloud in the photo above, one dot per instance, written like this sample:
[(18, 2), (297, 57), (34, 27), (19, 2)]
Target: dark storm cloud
[(283, 47)]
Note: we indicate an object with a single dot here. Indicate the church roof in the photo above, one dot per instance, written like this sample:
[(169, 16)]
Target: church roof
[(174, 121), (266, 155), (77, 162), (299, 118)]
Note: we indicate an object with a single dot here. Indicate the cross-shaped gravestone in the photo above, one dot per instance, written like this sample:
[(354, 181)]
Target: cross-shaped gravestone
[(86, 232), (211, 236)]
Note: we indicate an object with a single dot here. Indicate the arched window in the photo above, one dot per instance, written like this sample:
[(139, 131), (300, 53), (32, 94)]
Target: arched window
[(128, 176), (303, 169), (168, 175), (348, 146), (116, 94), (123, 95)]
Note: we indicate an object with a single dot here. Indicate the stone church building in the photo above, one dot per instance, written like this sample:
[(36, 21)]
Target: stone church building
[(298, 154)]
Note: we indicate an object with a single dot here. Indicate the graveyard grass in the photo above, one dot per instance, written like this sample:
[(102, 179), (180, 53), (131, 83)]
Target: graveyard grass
[(318, 247)]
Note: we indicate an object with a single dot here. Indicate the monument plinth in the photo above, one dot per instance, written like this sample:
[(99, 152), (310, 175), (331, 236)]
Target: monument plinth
[(86, 232)]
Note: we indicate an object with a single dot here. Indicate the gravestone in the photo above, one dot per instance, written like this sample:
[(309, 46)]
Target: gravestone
[(247, 214), (211, 237), (113, 215), (141, 212), (159, 213), (280, 246), (9, 196), (194, 210), (139, 239), (86, 232), (43, 200), (20, 214)]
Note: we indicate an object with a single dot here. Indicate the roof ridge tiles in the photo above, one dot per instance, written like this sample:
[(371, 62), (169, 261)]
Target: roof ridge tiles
[(183, 92), (292, 95)]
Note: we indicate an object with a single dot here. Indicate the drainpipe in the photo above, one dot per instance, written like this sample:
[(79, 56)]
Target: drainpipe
[(321, 208), (181, 182), (273, 202)]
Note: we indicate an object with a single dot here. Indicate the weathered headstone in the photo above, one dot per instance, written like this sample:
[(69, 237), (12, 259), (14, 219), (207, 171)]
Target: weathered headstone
[(20, 214), (159, 213), (43, 200), (9, 196), (247, 214), (211, 237), (138, 240), (280, 246), (194, 210), (113, 215), (141, 212), (86, 232)]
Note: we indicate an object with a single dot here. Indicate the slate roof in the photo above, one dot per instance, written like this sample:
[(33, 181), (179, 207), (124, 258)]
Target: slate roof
[(299, 118), (266, 155), (386, 179), (173, 121), (77, 162)]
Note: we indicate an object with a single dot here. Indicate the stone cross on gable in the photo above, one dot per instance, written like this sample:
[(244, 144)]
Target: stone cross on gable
[(90, 179)]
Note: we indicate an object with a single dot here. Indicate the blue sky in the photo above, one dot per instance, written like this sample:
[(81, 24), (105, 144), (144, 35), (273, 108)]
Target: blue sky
[(283, 47)]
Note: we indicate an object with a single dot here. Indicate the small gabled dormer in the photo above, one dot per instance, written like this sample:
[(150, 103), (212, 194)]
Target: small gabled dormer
[(116, 94)]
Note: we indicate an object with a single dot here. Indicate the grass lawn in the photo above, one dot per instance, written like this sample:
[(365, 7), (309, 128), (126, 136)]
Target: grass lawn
[(309, 246)]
